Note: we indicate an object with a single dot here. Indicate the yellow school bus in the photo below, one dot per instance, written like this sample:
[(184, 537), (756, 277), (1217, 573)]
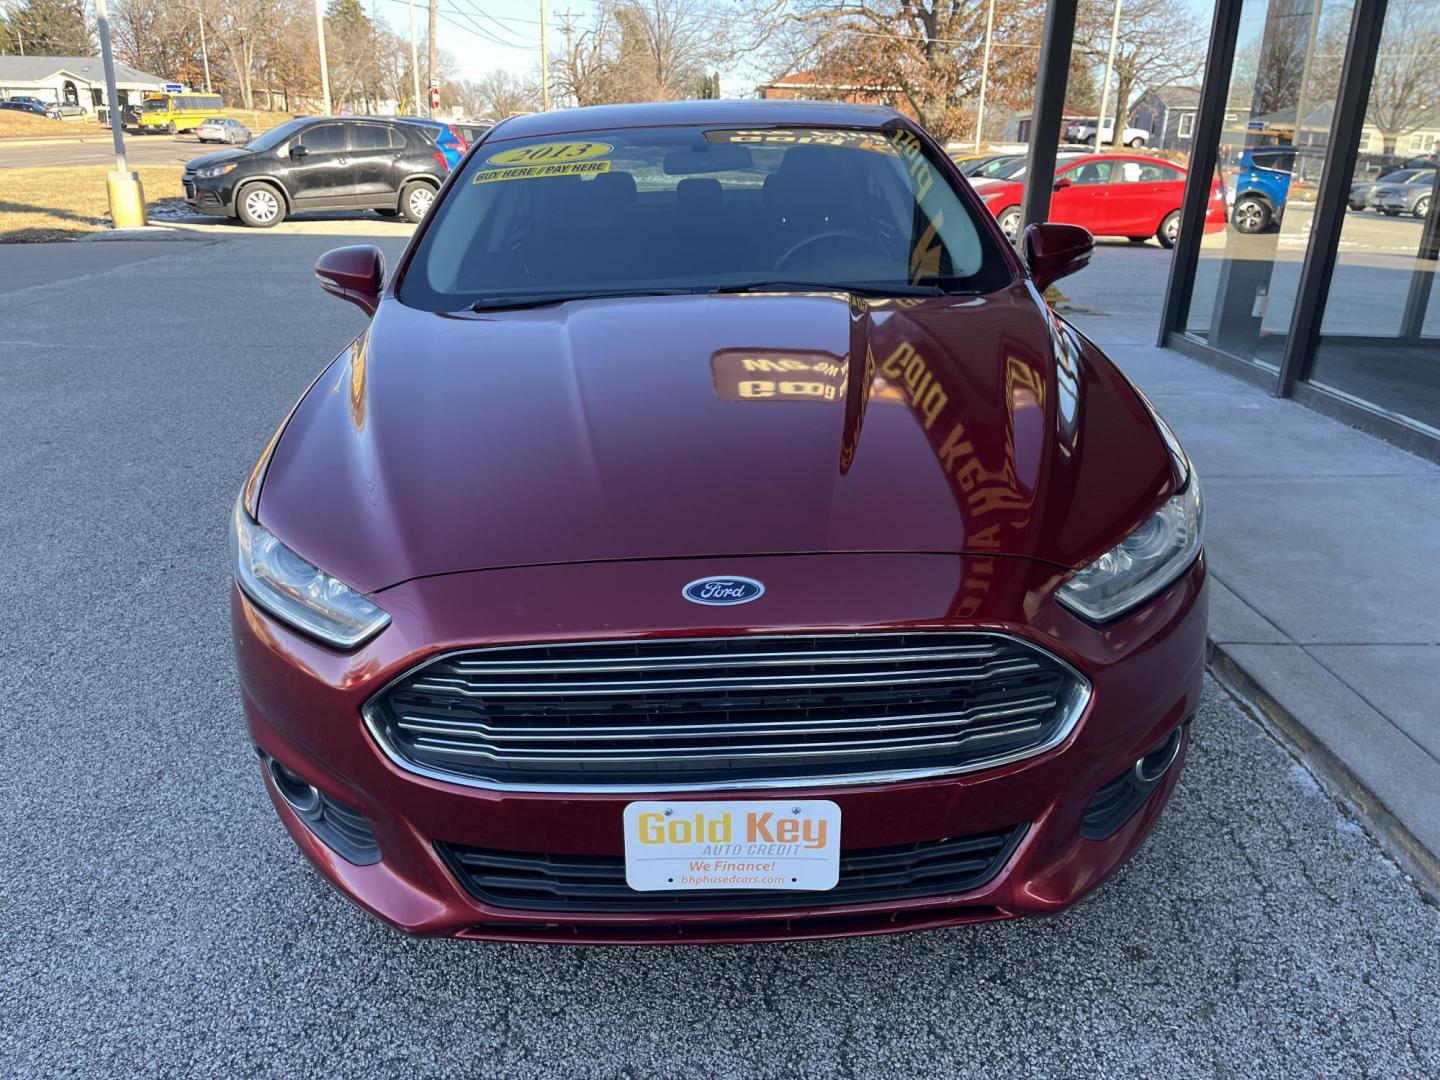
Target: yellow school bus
[(177, 112)]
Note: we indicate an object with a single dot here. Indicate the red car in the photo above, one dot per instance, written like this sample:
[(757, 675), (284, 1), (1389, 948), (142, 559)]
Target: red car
[(714, 536), (1110, 195)]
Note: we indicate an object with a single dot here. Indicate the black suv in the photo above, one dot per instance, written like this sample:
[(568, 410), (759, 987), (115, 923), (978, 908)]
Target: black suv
[(319, 163)]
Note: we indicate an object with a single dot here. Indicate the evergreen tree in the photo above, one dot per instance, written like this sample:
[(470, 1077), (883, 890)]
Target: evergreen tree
[(51, 28)]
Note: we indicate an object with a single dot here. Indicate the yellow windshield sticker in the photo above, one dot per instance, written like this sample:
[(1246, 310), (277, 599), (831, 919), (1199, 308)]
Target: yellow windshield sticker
[(546, 153), (528, 172)]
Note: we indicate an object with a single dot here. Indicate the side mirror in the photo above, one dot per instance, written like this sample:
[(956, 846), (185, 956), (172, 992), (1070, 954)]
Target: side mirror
[(1063, 183), (1053, 250), (357, 274), (297, 152)]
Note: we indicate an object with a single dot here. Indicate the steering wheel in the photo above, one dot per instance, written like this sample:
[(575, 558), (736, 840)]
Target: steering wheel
[(828, 234)]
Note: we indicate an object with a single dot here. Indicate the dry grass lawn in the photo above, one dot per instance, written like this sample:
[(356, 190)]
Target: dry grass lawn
[(15, 124), (61, 203)]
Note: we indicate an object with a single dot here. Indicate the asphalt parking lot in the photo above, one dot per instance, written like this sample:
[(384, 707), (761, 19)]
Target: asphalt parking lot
[(157, 920)]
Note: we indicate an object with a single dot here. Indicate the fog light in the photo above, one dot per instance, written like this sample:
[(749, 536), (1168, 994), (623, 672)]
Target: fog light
[(342, 829), (1120, 798), (300, 796), (1156, 764)]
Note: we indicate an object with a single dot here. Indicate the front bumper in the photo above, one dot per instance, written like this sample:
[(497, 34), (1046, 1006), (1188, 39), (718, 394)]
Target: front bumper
[(213, 197), (302, 703)]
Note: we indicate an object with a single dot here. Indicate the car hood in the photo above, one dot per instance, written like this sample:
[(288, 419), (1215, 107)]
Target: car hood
[(690, 426), (228, 154)]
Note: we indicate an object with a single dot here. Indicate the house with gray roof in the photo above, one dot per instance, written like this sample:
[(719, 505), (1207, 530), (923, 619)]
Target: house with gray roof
[(76, 79)]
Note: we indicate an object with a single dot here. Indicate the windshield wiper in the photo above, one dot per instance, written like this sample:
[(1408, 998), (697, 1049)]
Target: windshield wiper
[(534, 300), (859, 288)]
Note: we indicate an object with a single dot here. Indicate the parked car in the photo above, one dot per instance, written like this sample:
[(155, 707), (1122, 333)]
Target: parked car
[(1410, 195), (1260, 187), (565, 590), (319, 163), (18, 105), (1084, 132), (62, 109), (223, 129), (989, 165), (1419, 161), (446, 137), (1362, 192), (1108, 194), (472, 131)]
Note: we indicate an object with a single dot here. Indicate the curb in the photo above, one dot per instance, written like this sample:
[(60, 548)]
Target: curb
[(1335, 777)]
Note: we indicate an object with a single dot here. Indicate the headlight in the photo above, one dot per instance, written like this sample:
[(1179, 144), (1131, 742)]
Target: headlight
[(297, 593), (213, 171), (1142, 564)]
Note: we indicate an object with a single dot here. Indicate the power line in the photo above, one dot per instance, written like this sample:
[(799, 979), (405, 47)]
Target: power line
[(474, 27), (470, 4)]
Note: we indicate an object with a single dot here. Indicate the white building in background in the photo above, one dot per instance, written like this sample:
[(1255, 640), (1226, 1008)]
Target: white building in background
[(79, 80)]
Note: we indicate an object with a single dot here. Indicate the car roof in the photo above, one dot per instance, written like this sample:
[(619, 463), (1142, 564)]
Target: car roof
[(686, 113), (1083, 158)]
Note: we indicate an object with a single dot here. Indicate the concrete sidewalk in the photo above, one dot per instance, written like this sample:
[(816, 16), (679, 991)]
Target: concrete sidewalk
[(1324, 546)]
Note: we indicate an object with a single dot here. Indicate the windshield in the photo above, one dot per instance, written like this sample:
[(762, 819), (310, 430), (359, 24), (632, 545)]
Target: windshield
[(157, 105), (1000, 168), (693, 209), (276, 135)]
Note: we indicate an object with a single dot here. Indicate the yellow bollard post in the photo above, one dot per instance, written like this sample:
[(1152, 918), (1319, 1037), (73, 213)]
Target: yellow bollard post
[(127, 199)]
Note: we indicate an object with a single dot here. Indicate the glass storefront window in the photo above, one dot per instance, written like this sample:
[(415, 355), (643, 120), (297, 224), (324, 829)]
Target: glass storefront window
[(1270, 161), (1380, 334)]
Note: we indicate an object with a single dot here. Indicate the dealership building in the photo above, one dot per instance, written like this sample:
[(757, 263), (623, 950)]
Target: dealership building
[(1334, 301)]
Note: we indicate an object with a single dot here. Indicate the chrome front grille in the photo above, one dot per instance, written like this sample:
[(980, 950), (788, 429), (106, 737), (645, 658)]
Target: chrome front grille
[(733, 712)]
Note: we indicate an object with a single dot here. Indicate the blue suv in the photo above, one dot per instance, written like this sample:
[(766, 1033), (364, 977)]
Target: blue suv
[(446, 137), (1260, 188)]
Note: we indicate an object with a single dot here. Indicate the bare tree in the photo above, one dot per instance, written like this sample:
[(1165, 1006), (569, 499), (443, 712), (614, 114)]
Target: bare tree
[(647, 50), (1159, 43), (1407, 71), (498, 94), (927, 54)]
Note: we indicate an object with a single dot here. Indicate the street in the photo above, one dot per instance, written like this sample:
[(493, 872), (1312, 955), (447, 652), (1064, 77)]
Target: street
[(160, 922), (99, 149)]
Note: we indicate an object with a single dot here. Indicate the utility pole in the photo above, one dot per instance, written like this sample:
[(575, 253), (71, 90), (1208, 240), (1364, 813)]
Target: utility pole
[(433, 83), (414, 62), (569, 18), (1105, 86), (324, 64), (544, 64), (984, 75), (127, 197), (204, 50)]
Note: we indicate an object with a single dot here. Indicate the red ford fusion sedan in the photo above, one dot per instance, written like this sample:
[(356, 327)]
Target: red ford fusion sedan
[(714, 536)]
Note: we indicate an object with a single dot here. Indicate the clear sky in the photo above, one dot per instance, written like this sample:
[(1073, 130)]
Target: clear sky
[(487, 34)]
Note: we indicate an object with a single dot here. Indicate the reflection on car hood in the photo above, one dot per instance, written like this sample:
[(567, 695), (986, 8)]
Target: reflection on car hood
[(665, 427), (229, 154)]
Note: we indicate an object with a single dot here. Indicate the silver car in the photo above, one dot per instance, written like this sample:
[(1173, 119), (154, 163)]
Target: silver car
[(1362, 192), (223, 129), (1408, 196)]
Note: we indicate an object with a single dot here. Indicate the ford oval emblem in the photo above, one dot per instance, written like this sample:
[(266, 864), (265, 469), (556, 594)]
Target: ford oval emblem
[(722, 591)]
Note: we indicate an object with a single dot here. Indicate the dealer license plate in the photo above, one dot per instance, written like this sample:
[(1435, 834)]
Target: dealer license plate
[(792, 844)]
